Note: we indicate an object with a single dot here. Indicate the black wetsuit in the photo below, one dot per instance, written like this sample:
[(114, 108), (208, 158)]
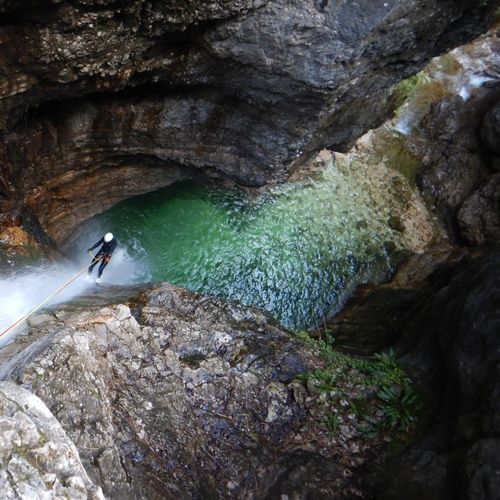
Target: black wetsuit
[(104, 254)]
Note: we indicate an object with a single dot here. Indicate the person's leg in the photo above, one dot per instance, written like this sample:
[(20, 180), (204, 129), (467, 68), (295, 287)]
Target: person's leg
[(95, 260), (104, 263)]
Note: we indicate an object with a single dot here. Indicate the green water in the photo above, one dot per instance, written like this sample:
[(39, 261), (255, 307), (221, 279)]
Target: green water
[(297, 252)]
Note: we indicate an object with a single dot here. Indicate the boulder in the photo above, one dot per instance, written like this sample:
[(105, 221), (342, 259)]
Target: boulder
[(37, 458)]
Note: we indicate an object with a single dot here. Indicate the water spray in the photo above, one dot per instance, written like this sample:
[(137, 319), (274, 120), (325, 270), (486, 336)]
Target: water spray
[(47, 299)]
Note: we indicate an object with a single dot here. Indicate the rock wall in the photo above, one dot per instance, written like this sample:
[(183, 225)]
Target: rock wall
[(443, 138), (190, 396), (479, 216), (458, 174), (446, 333), (451, 340), (243, 89)]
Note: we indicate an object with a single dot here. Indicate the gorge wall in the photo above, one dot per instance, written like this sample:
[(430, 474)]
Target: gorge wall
[(148, 91), (167, 390)]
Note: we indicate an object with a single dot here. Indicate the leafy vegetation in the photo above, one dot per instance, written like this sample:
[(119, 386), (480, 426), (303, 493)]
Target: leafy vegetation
[(376, 391), (332, 421)]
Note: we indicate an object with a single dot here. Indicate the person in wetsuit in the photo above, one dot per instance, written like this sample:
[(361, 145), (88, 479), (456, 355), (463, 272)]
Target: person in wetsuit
[(108, 243)]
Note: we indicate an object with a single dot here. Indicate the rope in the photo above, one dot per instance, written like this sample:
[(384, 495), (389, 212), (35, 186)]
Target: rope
[(32, 311)]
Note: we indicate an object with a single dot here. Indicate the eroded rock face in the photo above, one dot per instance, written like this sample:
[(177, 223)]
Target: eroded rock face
[(447, 333), (195, 398), (455, 171), (479, 216), (241, 88), (37, 459), (444, 137), (455, 342), (490, 131)]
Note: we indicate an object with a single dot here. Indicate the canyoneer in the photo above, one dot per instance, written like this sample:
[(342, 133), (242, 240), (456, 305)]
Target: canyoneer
[(108, 242)]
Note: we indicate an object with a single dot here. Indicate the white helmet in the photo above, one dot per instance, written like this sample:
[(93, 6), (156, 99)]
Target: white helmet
[(108, 237)]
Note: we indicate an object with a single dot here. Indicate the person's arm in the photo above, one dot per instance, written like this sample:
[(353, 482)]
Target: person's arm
[(99, 243)]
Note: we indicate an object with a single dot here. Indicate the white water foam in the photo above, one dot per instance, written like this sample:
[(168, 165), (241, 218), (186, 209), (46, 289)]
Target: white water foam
[(474, 82), (25, 288), (404, 123)]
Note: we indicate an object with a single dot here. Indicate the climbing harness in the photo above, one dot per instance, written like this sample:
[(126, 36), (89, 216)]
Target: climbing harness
[(32, 311)]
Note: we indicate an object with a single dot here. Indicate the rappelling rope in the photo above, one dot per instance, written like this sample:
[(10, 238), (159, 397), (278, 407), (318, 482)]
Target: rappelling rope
[(32, 311)]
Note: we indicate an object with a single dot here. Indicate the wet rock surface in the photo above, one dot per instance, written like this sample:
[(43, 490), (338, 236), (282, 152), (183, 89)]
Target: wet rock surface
[(479, 216), (490, 131), (447, 334), (37, 459), (456, 169), (240, 89), (443, 137), (180, 395), (190, 397)]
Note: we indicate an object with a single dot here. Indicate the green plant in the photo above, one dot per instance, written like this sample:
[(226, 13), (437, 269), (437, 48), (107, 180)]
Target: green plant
[(396, 396), (332, 422), (398, 407), (376, 390)]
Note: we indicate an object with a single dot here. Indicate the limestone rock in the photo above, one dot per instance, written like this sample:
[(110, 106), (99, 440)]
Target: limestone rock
[(37, 459), (148, 92), (191, 396), (479, 216)]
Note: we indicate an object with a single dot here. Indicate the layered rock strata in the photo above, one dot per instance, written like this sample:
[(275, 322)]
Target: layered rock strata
[(94, 91)]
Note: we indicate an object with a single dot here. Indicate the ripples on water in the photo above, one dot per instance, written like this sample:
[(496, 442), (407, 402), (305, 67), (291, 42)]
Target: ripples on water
[(297, 252)]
